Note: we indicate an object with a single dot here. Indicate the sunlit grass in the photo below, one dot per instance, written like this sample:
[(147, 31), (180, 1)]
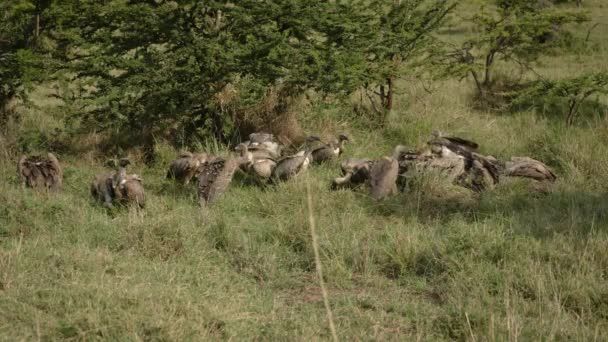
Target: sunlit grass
[(435, 263)]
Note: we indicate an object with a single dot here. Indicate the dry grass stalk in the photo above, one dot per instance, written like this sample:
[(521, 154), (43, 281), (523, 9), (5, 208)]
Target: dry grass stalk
[(315, 247)]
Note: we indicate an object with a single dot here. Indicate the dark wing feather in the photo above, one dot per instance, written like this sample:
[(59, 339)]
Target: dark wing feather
[(322, 154), (463, 142)]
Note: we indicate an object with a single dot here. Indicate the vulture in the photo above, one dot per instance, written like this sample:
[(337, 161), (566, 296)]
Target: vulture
[(102, 189), (529, 168), (480, 172), (119, 187), (384, 173), (381, 175), (128, 189), (262, 151), (293, 165), (40, 173), (214, 176), (184, 168), (451, 146), (261, 168), (263, 145), (330, 150), (260, 137), (354, 172), (383, 178)]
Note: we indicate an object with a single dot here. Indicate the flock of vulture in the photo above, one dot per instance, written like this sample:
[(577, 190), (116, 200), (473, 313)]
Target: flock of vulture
[(262, 158)]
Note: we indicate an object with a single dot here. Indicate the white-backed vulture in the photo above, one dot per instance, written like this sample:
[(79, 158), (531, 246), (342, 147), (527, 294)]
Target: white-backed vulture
[(290, 166), (331, 150)]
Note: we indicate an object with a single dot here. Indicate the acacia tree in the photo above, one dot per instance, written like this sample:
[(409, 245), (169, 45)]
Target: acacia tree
[(518, 31), (573, 90), (142, 66), (369, 42), (19, 65)]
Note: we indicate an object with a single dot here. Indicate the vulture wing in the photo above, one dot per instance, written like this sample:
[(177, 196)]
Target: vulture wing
[(530, 168), (473, 146), (322, 154)]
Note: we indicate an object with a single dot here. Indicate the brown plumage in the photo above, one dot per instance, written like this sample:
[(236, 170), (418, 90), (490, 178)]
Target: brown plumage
[(383, 178), (119, 187), (214, 176), (263, 145), (529, 168), (260, 168), (291, 166), (354, 172), (454, 144), (479, 173), (261, 151), (185, 167), (131, 191), (102, 189), (39, 173), (329, 151)]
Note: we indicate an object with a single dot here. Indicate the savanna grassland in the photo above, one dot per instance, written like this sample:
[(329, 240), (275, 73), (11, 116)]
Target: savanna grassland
[(434, 263)]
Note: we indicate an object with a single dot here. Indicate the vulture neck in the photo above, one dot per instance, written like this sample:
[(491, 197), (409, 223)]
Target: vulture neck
[(122, 174)]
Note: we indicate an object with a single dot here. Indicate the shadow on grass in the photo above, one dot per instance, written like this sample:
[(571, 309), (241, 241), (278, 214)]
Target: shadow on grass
[(536, 214)]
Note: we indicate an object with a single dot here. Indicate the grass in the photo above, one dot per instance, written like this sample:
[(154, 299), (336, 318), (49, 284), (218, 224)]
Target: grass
[(435, 263)]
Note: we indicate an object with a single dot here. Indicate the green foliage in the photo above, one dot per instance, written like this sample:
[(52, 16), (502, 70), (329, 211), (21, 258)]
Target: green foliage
[(573, 90), (15, 57), (516, 31), (143, 67)]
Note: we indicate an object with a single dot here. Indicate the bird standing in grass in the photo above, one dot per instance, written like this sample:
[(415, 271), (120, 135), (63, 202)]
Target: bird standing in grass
[(331, 150), (384, 173), (264, 145), (129, 189), (119, 187), (381, 175), (215, 175), (184, 168), (40, 173), (263, 150), (293, 165)]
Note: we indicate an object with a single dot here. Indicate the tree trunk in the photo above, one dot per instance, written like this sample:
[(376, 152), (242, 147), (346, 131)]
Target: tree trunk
[(571, 113), (389, 95), (37, 32), (488, 69), (478, 84)]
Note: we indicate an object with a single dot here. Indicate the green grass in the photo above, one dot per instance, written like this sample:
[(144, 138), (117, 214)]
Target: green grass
[(435, 263)]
